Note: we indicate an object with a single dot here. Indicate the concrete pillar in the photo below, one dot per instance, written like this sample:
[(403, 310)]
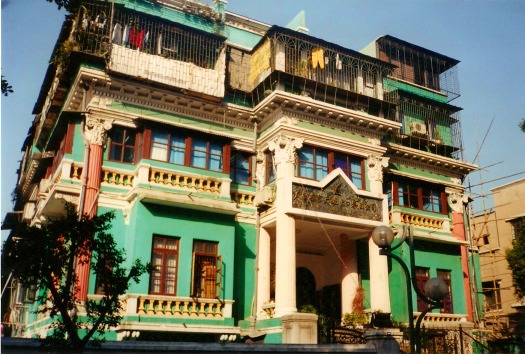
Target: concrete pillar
[(379, 287), (349, 274), (457, 202), (284, 150), (96, 135), (263, 272)]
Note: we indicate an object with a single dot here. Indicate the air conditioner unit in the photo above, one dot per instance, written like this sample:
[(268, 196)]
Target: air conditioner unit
[(418, 128), (264, 196)]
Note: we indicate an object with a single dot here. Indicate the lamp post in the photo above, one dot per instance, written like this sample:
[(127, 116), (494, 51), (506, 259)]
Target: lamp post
[(435, 289)]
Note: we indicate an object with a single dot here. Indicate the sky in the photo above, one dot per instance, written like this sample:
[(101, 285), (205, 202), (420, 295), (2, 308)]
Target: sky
[(487, 36)]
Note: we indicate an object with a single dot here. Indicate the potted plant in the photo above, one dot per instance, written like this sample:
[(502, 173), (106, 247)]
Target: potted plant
[(381, 319)]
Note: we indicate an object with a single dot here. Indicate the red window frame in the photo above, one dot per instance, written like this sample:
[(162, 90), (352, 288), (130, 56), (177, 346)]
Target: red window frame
[(331, 165), (189, 149), (446, 275), (206, 270), (413, 195), (164, 277), (126, 132), (422, 276)]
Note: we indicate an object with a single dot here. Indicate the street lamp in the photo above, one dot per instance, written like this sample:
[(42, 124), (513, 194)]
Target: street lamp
[(435, 289)]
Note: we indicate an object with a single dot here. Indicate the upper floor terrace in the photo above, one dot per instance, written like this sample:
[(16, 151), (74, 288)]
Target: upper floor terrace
[(297, 63)]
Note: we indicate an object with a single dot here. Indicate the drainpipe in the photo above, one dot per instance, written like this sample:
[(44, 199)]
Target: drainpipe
[(86, 159), (253, 317)]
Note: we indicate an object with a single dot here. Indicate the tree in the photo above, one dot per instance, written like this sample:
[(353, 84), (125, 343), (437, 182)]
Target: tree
[(6, 88), (69, 5), (516, 259), (46, 256), (522, 125)]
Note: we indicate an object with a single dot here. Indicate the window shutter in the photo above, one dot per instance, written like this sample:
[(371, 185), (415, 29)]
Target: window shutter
[(193, 290), (218, 283)]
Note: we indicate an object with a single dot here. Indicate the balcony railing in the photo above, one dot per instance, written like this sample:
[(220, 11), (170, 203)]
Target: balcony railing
[(420, 221), (177, 306), (148, 48), (289, 61)]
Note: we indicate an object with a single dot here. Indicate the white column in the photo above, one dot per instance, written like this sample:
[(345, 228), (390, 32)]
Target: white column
[(376, 164), (283, 149), (379, 288), (263, 271), (349, 275), (285, 291)]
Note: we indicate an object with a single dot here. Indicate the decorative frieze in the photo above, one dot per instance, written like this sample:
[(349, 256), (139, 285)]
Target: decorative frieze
[(336, 198)]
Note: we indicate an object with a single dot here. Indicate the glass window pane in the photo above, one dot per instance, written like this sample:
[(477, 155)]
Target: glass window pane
[(117, 135), (215, 163), (306, 170), (306, 154), (199, 144), (130, 138), (215, 148), (340, 162), (116, 152), (198, 159), (129, 155), (321, 172), (358, 181)]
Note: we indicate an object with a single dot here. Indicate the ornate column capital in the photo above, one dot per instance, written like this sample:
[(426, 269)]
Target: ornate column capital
[(284, 148), (96, 130), (376, 163), (457, 201)]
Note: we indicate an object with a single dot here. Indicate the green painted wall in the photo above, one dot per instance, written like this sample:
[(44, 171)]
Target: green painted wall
[(244, 278), (187, 225), (417, 172), (433, 256)]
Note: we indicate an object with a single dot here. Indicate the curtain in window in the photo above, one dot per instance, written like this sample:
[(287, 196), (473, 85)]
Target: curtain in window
[(159, 146), (156, 261), (198, 154), (306, 157), (356, 177), (215, 157), (177, 147), (321, 161), (170, 274)]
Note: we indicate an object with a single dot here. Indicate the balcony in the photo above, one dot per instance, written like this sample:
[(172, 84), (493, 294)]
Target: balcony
[(146, 182), (289, 61), (151, 49)]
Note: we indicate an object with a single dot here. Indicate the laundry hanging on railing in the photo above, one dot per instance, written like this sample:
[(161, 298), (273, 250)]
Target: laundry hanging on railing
[(318, 58)]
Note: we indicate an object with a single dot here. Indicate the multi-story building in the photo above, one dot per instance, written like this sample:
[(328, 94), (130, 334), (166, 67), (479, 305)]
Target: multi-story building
[(249, 163), (493, 232)]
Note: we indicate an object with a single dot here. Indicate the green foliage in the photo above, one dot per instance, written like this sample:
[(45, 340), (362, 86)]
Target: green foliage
[(46, 256), (516, 259), (354, 319), (69, 5), (6, 88), (522, 125)]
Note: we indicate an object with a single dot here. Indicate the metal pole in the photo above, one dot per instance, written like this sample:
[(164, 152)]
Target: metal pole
[(388, 253)]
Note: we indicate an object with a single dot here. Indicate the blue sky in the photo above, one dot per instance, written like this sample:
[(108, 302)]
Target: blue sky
[(486, 36)]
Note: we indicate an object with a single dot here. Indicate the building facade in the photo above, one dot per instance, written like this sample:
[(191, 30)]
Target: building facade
[(249, 163), (493, 232)]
